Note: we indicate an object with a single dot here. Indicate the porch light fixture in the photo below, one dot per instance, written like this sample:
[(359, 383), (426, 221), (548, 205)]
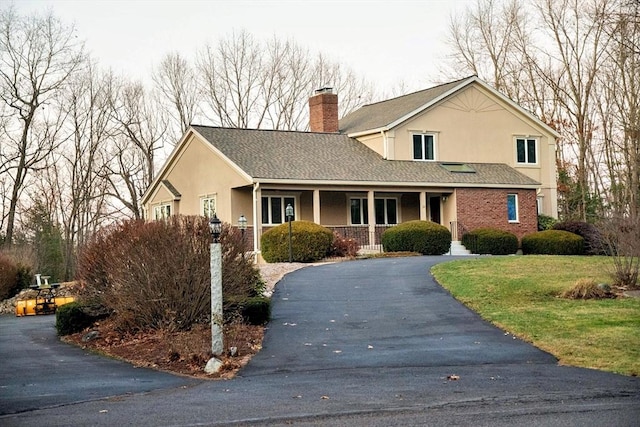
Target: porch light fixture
[(215, 226), (242, 224), (289, 213)]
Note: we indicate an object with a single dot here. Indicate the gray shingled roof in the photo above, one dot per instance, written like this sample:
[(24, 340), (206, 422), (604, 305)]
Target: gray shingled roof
[(174, 192), (381, 114), (305, 156)]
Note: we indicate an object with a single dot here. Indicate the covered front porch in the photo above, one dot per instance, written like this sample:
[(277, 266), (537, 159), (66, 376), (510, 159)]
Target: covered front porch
[(362, 214)]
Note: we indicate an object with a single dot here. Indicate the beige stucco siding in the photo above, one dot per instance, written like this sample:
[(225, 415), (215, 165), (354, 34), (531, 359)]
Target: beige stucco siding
[(197, 172), (477, 127)]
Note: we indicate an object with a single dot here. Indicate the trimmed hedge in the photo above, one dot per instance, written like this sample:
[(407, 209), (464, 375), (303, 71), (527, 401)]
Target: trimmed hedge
[(553, 242), (310, 242), (425, 237), (490, 241)]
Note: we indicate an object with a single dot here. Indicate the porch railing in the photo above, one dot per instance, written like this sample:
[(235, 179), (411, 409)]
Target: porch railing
[(367, 240)]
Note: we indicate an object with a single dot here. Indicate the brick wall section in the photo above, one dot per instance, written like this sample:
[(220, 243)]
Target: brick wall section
[(484, 207), (323, 112)]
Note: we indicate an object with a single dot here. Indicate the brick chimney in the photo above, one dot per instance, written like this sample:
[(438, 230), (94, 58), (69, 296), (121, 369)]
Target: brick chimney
[(323, 111)]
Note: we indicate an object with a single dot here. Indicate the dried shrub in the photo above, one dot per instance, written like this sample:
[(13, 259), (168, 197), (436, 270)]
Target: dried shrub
[(586, 289), (8, 277), (157, 274), (343, 247), (622, 236)]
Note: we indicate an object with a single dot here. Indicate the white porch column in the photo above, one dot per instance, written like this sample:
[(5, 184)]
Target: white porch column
[(371, 207), (316, 206), (423, 206), (257, 219)]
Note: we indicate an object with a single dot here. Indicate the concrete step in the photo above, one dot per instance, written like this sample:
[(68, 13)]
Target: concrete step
[(457, 248)]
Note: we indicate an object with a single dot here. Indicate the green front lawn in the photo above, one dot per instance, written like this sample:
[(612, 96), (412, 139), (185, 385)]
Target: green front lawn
[(520, 294)]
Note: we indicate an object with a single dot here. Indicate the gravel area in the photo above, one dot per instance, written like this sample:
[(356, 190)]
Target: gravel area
[(272, 273)]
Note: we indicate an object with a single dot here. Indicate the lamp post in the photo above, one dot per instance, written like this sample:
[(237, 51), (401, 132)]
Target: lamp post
[(289, 213), (217, 347), (242, 225)]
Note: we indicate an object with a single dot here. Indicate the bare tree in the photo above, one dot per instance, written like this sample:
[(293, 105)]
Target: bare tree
[(175, 80), (249, 84), (233, 80), (578, 32), (38, 54), (139, 132)]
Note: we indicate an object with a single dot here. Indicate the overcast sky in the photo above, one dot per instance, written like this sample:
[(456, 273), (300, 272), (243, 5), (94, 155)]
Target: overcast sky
[(386, 41)]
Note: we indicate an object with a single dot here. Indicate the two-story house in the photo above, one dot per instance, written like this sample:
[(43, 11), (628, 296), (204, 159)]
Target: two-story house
[(460, 154)]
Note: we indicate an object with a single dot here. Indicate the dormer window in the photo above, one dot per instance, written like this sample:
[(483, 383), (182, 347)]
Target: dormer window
[(424, 146)]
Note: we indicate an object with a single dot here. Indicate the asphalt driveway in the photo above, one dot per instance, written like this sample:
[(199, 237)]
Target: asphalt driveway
[(374, 342)]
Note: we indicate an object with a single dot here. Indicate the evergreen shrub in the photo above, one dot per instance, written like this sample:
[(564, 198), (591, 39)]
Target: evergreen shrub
[(72, 318), (546, 222), (553, 242), (310, 242), (491, 241), (425, 237)]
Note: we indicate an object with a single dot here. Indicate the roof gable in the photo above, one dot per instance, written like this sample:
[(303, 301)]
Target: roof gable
[(386, 115)]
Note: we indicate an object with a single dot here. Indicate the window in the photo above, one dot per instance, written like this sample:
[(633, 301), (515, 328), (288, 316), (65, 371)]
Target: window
[(526, 149), (423, 147), (359, 211), (208, 205), (162, 211), (512, 207), (386, 210), (273, 209)]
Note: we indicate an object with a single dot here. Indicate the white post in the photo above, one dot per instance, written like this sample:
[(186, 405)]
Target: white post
[(217, 347)]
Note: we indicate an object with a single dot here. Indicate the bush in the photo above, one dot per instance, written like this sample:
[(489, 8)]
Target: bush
[(490, 241), (343, 247), (546, 222), (425, 237), (256, 310), (310, 242), (8, 277), (156, 275), (72, 318), (594, 243), (553, 242)]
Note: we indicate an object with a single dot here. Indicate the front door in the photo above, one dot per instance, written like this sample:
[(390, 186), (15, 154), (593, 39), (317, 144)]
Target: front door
[(434, 209)]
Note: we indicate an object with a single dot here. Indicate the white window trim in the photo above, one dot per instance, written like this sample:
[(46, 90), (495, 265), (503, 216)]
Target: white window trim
[(435, 146), (296, 204), (517, 220), (204, 197), (397, 199), (515, 146), (364, 203), (160, 206), (371, 215)]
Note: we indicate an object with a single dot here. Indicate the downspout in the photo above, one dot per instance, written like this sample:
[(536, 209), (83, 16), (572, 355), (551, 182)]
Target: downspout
[(256, 190)]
